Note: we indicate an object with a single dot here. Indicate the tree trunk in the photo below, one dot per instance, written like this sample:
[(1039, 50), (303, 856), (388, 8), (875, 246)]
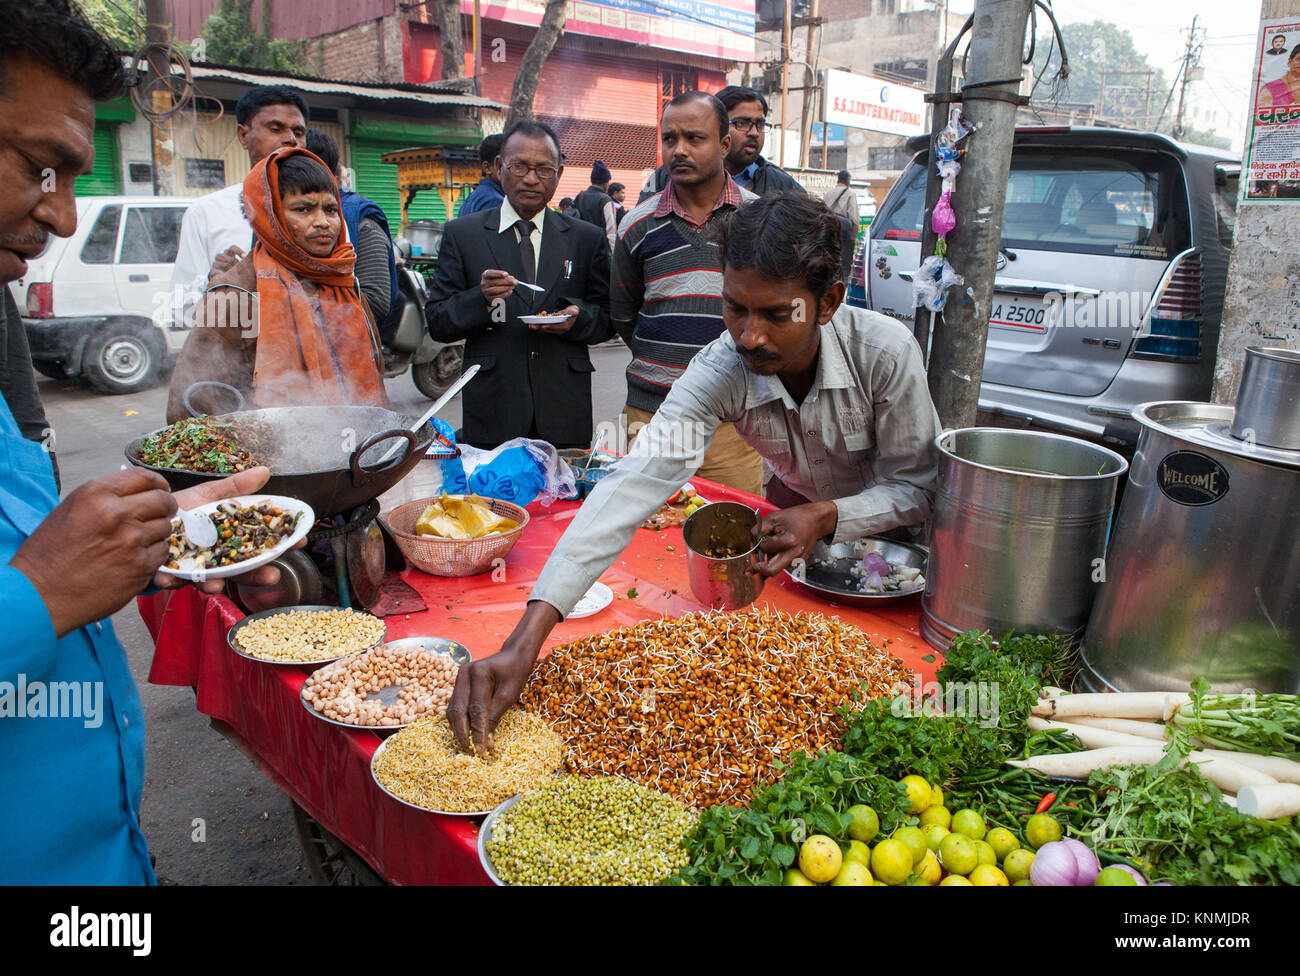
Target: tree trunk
[(453, 44), (530, 68)]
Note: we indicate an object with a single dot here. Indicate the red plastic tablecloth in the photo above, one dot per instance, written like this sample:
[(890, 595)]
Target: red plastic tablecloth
[(326, 769)]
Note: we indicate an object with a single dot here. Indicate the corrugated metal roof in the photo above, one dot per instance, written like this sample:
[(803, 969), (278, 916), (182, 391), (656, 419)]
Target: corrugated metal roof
[(364, 90)]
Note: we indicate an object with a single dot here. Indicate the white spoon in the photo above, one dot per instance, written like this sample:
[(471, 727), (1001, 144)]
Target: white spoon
[(199, 529), (524, 284)]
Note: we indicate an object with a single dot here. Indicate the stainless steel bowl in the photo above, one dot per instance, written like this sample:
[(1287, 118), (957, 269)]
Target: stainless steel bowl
[(723, 583), (485, 835), (836, 581)]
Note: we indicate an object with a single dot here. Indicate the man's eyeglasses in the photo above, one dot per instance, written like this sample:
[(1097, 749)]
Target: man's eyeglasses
[(520, 170), (749, 125)]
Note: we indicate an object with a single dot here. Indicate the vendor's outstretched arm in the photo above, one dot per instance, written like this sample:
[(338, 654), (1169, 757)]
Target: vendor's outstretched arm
[(668, 451)]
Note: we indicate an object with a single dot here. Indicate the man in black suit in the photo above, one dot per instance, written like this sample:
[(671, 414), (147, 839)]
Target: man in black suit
[(535, 379)]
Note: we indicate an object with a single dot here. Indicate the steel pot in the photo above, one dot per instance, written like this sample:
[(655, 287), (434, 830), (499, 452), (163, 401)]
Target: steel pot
[(1020, 525), (1268, 400)]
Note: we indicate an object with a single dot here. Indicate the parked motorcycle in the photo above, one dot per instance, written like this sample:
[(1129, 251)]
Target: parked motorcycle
[(434, 365)]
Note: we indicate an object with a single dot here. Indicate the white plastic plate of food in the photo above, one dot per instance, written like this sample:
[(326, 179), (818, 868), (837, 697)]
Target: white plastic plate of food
[(255, 514), (593, 601), (542, 319)]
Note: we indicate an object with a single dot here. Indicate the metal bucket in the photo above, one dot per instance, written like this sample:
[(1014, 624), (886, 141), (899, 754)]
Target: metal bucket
[(1203, 573), (727, 583), (1268, 400), (1020, 525)]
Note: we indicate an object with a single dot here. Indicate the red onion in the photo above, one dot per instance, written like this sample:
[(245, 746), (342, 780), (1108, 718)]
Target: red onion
[(1055, 866), (1086, 860), (874, 562)]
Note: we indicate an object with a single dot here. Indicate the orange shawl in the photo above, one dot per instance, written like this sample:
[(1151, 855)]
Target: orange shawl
[(306, 353)]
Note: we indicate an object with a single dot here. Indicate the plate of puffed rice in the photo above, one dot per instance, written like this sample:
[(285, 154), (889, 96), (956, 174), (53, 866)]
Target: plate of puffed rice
[(305, 635)]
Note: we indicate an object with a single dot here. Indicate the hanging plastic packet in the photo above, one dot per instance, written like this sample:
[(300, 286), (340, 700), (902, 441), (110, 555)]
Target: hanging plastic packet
[(947, 144), (930, 287)]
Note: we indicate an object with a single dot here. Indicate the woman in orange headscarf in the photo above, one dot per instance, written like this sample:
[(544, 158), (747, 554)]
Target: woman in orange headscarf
[(286, 326)]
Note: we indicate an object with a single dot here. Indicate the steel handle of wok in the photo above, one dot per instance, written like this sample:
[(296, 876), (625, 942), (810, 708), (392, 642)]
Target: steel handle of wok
[(438, 404), (223, 387), (361, 473)]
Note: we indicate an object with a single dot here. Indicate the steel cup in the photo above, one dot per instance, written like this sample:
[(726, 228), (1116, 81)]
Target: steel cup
[(723, 583)]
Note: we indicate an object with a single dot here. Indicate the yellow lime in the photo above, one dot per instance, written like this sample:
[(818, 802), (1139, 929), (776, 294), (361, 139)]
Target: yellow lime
[(1002, 840), (988, 876), (794, 878), (934, 835), (1114, 878), (984, 851), (930, 870), (865, 824), (1026, 882), (1041, 830), (954, 880), (970, 823), (1017, 864), (936, 815), (936, 796), (859, 852), (820, 858), (891, 862), (918, 793), (916, 842), (852, 875), (957, 854)]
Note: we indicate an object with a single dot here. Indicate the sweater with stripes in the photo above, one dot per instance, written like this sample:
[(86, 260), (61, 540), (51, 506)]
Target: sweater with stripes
[(666, 291)]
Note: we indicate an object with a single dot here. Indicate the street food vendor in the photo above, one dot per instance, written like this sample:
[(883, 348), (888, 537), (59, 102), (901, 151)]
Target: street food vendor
[(833, 397)]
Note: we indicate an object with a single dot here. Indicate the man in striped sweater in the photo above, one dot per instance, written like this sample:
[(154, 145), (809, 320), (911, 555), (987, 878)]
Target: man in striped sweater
[(666, 281)]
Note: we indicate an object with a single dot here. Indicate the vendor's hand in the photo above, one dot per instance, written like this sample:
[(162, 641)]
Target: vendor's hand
[(99, 547), (226, 260), (496, 285), (791, 533), (244, 483), (487, 688), (559, 328)]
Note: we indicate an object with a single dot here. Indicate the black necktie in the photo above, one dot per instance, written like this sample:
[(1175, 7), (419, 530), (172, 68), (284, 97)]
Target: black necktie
[(525, 228)]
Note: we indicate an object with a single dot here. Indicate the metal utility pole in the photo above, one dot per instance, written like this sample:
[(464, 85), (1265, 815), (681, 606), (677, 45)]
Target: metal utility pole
[(785, 88), (811, 90), (1191, 55), (990, 99), (157, 32)]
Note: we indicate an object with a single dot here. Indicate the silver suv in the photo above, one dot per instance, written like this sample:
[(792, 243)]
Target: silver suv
[(1109, 287)]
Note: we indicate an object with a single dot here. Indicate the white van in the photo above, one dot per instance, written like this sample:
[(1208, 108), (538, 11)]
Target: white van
[(96, 304)]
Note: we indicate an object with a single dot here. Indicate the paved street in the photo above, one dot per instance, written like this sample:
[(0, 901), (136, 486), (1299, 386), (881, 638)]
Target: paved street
[(192, 771)]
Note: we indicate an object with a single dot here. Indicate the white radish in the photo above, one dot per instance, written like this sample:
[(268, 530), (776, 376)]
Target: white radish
[(1093, 738), (1269, 802), (1147, 704), (1281, 769), (1145, 730), (1227, 775)]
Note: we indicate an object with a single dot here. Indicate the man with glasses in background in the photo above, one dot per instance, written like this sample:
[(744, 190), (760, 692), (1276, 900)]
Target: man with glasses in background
[(747, 118), (535, 377)]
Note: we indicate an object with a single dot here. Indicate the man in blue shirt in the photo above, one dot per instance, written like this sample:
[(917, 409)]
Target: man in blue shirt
[(489, 193), (71, 722)]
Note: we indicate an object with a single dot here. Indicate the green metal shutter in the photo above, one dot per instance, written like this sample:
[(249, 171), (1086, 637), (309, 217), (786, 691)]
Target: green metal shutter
[(378, 181), (105, 179)]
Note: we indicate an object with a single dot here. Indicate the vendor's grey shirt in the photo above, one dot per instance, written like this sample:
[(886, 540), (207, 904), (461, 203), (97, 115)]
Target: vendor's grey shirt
[(862, 437)]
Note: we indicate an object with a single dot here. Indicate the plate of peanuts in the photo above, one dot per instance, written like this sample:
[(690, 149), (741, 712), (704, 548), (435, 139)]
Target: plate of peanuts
[(388, 688)]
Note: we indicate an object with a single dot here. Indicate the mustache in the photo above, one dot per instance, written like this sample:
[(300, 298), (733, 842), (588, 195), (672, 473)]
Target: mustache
[(40, 237), (758, 355)]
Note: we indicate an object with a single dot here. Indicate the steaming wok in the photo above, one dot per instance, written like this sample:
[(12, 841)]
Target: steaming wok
[(327, 456)]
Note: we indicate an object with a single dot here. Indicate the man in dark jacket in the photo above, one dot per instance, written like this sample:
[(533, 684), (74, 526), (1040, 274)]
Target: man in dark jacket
[(594, 204), (747, 114), (535, 378), (488, 193)]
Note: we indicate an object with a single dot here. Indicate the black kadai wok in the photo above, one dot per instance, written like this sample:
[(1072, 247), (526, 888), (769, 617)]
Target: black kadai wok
[(331, 457)]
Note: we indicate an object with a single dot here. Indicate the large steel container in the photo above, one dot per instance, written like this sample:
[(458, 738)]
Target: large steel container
[(1019, 529), (1203, 572)]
